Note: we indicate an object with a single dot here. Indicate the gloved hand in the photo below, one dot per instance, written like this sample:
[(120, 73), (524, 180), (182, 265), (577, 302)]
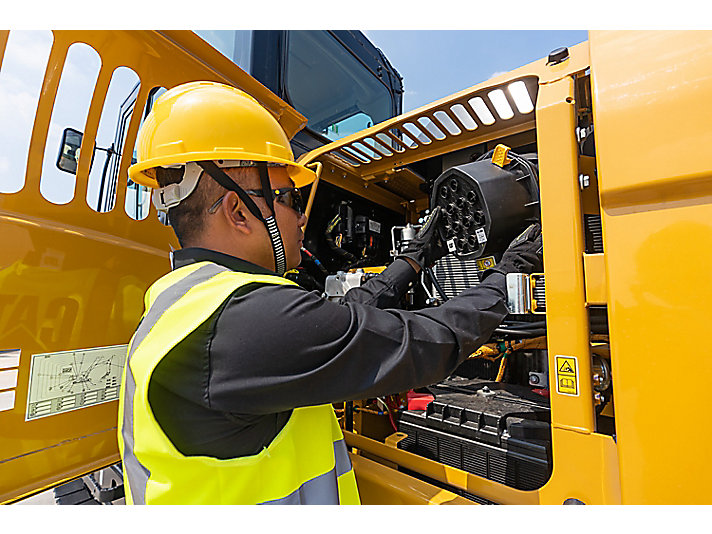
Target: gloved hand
[(426, 247), (524, 254)]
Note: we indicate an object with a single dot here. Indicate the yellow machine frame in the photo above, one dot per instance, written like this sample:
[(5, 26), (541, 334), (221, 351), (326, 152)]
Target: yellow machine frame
[(73, 278), (650, 182)]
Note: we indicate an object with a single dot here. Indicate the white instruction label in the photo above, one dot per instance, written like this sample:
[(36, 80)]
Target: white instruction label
[(374, 226), (65, 381), (451, 245), (481, 236)]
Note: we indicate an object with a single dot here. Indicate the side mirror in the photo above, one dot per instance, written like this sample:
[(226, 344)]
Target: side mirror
[(69, 152)]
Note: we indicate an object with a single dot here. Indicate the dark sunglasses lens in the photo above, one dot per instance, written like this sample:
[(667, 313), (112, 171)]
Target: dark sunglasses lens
[(292, 199), (297, 203)]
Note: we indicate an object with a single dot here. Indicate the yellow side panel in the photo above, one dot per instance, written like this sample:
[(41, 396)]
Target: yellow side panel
[(379, 484), (653, 136), (72, 278)]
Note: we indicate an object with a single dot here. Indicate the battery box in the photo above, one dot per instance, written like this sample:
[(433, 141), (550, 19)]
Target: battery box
[(497, 431)]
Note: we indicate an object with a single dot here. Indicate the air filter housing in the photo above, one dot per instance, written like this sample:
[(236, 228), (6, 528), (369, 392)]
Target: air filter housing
[(485, 206)]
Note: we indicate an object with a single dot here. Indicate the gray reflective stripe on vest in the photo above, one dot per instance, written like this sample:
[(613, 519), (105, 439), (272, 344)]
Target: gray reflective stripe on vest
[(136, 473), (323, 489), (341, 455)]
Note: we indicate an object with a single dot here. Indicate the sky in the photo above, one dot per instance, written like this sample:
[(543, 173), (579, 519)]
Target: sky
[(437, 63)]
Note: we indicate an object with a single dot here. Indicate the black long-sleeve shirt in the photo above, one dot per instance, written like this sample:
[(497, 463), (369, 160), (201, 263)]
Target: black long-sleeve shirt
[(230, 386)]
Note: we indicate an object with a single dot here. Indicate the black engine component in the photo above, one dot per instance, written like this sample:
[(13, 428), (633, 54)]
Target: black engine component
[(485, 205), (498, 431)]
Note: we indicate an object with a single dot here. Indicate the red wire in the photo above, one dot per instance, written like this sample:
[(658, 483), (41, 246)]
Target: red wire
[(395, 428), (388, 401)]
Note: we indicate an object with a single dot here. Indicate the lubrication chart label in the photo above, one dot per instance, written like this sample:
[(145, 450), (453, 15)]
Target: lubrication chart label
[(567, 375), (65, 381)]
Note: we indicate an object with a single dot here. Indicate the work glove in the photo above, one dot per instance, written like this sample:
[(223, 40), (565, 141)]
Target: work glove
[(524, 254), (426, 247)]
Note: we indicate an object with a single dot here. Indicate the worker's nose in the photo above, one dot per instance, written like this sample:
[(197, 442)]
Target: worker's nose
[(302, 220)]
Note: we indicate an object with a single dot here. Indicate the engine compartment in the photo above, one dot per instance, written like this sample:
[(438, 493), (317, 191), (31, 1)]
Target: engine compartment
[(492, 416)]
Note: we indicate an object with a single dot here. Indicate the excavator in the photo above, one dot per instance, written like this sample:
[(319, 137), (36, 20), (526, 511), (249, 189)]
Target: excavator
[(569, 402)]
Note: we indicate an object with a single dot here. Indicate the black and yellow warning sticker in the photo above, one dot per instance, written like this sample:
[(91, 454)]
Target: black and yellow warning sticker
[(485, 263), (567, 375)]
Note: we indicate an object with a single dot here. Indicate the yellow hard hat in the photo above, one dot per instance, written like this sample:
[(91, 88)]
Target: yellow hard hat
[(200, 121)]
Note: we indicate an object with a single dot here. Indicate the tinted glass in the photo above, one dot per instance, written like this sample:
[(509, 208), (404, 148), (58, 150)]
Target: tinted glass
[(331, 87)]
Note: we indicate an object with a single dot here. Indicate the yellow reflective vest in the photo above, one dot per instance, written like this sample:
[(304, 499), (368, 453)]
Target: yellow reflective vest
[(306, 463)]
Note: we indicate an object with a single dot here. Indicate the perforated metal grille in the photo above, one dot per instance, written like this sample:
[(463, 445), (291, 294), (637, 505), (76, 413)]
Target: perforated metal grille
[(455, 276), (467, 115)]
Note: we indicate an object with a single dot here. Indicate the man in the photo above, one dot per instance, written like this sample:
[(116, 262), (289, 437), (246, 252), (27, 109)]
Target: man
[(232, 371)]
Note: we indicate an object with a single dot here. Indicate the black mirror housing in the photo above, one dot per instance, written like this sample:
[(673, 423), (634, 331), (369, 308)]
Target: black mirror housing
[(68, 158)]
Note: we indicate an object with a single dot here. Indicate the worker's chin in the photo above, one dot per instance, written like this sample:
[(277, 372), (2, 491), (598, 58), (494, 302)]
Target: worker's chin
[(293, 263)]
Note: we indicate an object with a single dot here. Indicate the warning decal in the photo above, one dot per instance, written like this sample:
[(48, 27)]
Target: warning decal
[(485, 263), (567, 375)]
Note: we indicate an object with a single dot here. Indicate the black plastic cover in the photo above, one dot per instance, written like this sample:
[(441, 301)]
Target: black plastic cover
[(501, 433), (485, 206)]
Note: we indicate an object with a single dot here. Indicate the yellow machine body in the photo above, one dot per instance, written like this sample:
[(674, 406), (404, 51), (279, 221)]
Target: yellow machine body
[(73, 279)]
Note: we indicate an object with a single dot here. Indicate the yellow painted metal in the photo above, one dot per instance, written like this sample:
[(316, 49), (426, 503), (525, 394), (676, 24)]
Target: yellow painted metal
[(385, 179), (69, 277), (595, 272), (585, 468), (452, 476), (317, 167), (72, 278), (340, 177), (379, 484), (651, 109), (562, 225), (198, 52), (403, 153), (4, 34), (529, 74)]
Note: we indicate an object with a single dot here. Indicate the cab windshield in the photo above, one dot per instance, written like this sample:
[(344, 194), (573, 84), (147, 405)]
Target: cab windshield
[(325, 82)]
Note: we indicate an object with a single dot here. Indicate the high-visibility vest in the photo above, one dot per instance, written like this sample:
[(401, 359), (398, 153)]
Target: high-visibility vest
[(306, 463)]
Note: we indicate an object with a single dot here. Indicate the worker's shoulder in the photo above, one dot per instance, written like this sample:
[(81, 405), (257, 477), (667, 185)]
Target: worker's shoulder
[(261, 296), (259, 309)]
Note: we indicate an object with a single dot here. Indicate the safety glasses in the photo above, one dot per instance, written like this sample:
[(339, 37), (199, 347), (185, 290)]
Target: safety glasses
[(287, 196)]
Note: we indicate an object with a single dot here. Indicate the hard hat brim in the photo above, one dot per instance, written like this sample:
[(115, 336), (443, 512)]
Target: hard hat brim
[(299, 174)]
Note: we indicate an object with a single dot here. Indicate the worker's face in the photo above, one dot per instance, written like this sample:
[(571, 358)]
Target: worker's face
[(289, 221)]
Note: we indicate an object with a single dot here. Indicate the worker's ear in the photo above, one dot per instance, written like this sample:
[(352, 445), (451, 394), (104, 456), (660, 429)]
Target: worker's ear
[(236, 213)]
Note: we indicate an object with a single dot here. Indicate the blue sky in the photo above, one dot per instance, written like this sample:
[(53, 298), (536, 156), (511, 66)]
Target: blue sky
[(437, 63)]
